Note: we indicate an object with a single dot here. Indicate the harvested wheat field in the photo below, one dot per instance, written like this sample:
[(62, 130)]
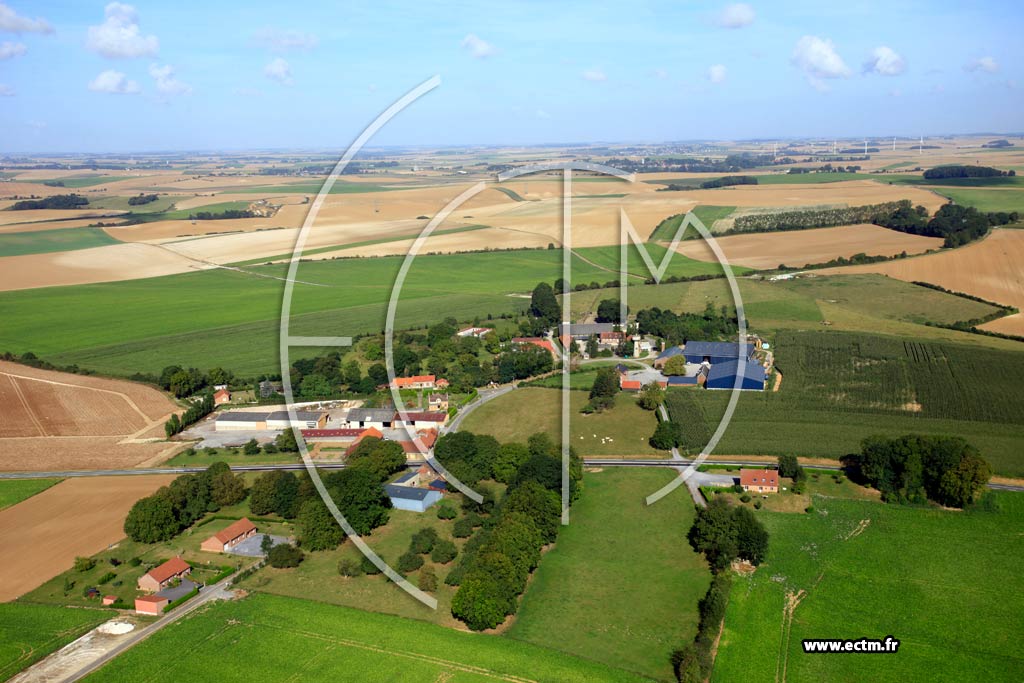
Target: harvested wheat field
[(990, 269), (54, 420), (111, 263), (37, 226), (41, 215), (40, 537), (799, 247)]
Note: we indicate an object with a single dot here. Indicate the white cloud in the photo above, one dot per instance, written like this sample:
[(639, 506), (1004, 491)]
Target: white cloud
[(541, 114), (11, 50), (885, 61), (166, 83), (987, 64), (661, 74), (119, 36), (6, 90), (115, 83), (278, 70), (717, 73), (737, 15), (284, 40), (12, 22), (594, 75), (477, 46), (818, 59)]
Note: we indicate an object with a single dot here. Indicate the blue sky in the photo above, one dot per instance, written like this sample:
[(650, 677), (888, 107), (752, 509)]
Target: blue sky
[(79, 76)]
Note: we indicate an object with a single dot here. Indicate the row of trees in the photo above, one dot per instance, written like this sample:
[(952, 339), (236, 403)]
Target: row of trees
[(173, 508), (728, 180), (964, 171), (813, 218), (956, 224), (916, 468), (677, 328), (199, 409), (57, 201), (185, 382), (140, 199)]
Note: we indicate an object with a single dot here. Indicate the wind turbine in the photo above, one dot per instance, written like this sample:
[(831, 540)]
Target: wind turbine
[(894, 143), (865, 146), (920, 147)]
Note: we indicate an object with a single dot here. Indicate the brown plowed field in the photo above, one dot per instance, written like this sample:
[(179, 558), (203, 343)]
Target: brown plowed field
[(799, 247), (40, 537), (991, 269)]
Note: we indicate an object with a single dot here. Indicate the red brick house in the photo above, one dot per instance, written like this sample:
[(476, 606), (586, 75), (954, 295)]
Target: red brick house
[(231, 536), (221, 396), (151, 604), (159, 577), (759, 481)]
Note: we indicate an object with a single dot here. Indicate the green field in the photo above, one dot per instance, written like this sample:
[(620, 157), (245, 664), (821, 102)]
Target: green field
[(231, 318), (77, 181), (13, 491), (988, 200), (30, 632), (666, 230), (945, 583), (121, 204), (47, 241), (271, 638), (839, 388), (313, 187), (609, 258), (622, 585), (623, 430), (203, 459)]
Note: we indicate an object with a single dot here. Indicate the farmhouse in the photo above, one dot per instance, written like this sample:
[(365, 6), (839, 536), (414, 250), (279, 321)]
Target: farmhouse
[(411, 498), (152, 605), (759, 481), (426, 437), (421, 420), (221, 396), (363, 418), (477, 332), (438, 402), (159, 577), (418, 382), (231, 536), (536, 341)]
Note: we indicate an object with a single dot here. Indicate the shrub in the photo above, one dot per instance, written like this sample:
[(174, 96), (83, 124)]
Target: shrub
[(446, 511), (368, 567), (350, 567), (758, 505), (428, 579), (444, 552), (135, 561), (423, 541), (809, 509), (409, 562), (745, 498), (106, 578), (84, 564), (463, 528), (285, 555)]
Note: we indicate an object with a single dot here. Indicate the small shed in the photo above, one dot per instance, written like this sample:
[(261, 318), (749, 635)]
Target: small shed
[(152, 605), (109, 599)]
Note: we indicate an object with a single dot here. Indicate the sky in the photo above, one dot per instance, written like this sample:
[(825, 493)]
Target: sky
[(78, 76)]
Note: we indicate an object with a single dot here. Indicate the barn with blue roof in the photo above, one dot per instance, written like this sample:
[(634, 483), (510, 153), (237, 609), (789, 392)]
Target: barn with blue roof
[(723, 375), (716, 352)]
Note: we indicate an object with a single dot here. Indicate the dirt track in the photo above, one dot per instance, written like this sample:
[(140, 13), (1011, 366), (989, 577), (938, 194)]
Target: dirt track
[(40, 537)]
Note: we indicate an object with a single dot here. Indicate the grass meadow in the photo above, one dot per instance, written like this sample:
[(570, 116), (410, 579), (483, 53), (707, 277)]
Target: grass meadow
[(30, 632), (621, 586), (48, 241), (13, 491), (945, 583), (988, 200), (272, 638)]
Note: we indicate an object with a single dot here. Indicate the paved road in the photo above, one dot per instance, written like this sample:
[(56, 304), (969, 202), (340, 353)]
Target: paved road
[(483, 396), (215, 592)]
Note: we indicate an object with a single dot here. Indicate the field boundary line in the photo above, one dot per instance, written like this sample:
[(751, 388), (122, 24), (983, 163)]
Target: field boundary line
[(28, 409), (123, 395), (417, 656)]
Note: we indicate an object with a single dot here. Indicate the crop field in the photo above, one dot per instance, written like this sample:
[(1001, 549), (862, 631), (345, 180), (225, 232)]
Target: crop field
[(799, 248), (839, 388), (988, 200), (13, 491), (621, 431), (707, 214), (270, 638), (881, 570), (621, 585), (989, 268), (77, 517), (44, 241), (30, 632)]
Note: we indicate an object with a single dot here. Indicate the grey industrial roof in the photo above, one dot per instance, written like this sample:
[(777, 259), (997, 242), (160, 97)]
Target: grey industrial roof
[(721, 349), (301, 415), (239, 416), (587, 328), (406, 492), (671, 351), (371, 414)]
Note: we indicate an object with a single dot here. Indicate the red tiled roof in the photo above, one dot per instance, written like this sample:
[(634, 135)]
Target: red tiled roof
[(629, 384), (234, 530), (221, 392), (435, 416), (759, 477), (151, 598), (169, 569), (415, 379), (324, 433), (536, 341)]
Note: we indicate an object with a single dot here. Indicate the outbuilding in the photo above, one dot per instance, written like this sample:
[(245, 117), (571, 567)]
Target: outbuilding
[(231, 536), (162, 575), (411, 498), (723, 375), (152, 605)]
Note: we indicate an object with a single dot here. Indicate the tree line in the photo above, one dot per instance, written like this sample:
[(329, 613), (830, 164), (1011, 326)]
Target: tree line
[(678, 328), (728, 180), (57, 201), (956, 224), (141, 199), (919, 468), (965, 171), (195, 412)]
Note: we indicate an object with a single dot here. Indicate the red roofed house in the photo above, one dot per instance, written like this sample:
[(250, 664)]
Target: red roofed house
[(221, 396), (231, 536), (759, 481), (426, 438), (369, 431), (158, 577), (109, 599), (151, 604), (536, 341), (415, 382), (629, 384)]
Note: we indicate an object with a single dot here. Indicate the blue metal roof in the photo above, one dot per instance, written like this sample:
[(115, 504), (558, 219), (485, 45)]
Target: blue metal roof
[(676, 380), (406, 492), (670, 351), (405, 477), (719, 349), (730, 368), (440, 484)]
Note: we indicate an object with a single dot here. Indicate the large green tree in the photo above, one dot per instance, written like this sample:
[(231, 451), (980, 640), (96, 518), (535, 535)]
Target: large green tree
[(360, 498), (317, 528), (544, 305)]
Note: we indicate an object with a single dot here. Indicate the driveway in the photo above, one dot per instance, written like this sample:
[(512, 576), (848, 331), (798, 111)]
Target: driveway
[(253, 546), (179, 591)]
